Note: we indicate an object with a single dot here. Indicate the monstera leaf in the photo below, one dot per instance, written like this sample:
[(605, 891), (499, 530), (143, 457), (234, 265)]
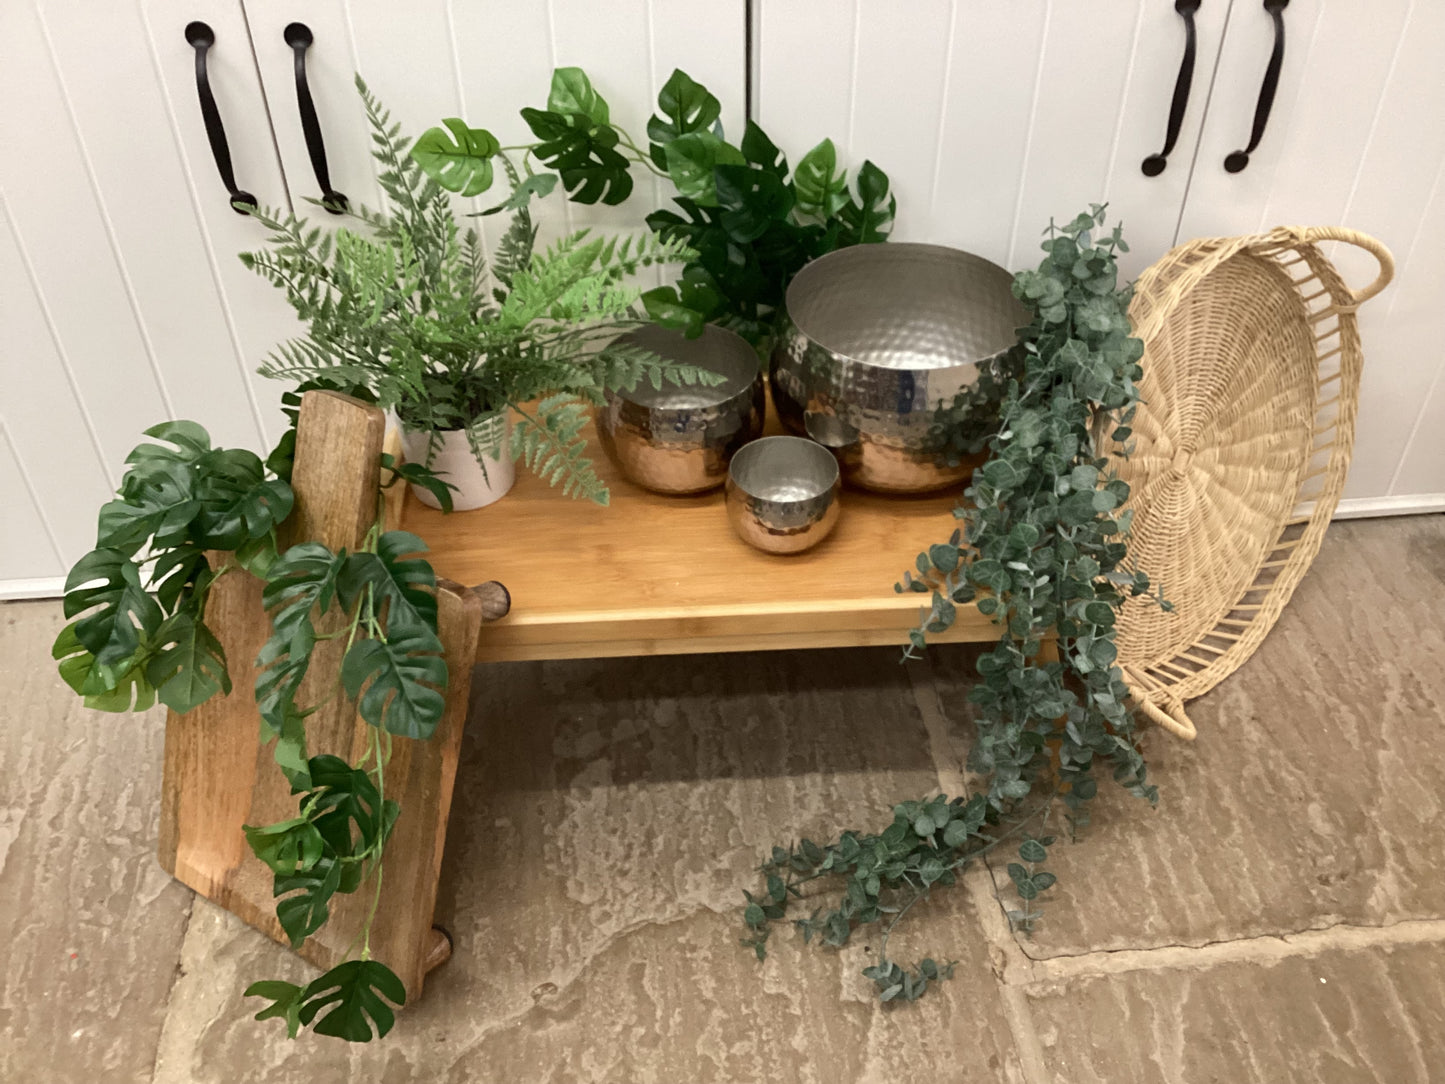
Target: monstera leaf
[(572, 94), (287, 846), (683, 106), (402, 677), (306, 910), (691, 161), (584, 155), (457, 157), (752, 199), (285, 1003), (123, 611), (119, 688), (238, 503), (353, 992), (822, 188), (406, 586), (189, 666), (868, 219), (349, 812)]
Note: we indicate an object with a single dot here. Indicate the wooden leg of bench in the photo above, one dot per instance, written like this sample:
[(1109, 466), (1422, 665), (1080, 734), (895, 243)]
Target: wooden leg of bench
[(439, 951)]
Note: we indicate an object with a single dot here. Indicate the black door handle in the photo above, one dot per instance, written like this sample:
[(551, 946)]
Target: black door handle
[(1236, 161), (1155, 163), (298, 36), (202, 37)]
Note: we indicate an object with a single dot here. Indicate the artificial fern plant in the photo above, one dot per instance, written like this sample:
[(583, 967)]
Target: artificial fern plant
[(408, 307)]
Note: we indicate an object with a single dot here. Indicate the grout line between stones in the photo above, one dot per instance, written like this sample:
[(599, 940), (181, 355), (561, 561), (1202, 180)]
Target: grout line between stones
[(935, 722), (1005, 955), (176, 976), (1265, 949)]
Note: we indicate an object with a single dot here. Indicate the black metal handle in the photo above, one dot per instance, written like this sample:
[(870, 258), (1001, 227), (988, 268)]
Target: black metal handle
[(1155, 163), (202, 37), (299, 37), (1239, 159)]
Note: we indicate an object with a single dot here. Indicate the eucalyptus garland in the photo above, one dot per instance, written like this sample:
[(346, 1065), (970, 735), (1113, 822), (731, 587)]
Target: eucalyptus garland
[(1042, 550)]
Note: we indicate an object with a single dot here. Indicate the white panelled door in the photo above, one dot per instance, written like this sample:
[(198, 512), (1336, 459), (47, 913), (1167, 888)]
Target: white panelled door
[(1356, 137), (124, 303), (990, 118)]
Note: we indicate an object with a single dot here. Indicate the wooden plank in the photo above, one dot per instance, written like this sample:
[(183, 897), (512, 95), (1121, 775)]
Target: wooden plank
[(666, 575), (217, 776)]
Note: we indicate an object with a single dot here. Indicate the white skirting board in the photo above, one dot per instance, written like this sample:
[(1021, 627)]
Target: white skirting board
[(1350, 508), (43, 587), (1414, 505)]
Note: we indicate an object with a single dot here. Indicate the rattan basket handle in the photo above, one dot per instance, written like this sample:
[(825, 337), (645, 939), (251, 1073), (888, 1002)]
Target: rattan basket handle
[(1315, 234), (1148, 696), (1175, 719)]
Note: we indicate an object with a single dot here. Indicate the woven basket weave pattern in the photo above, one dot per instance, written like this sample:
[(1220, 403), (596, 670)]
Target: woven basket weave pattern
[(1241, 445)]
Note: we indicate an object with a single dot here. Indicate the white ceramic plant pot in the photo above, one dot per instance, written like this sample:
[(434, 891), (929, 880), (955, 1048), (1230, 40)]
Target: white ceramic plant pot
[(454, 461)]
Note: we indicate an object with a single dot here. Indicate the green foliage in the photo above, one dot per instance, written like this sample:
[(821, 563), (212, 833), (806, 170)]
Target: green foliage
[(354, 991), (126, 649), (405, 306), (178, 499), (882, 876), (343, 825), (748, 224), (459, 157), (1043, 543), (578, 140), (753, 224)]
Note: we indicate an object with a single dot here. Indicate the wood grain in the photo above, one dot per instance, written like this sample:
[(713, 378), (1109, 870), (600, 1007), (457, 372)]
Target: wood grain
[(654, 574), (218, 777)]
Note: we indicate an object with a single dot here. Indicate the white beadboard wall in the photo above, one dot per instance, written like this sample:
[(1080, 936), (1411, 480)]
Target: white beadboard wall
[(123, 301), (1356, 138), (991, 118)]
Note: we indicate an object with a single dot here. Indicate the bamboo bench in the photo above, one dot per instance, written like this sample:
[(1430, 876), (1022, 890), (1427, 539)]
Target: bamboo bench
[(649, 575)]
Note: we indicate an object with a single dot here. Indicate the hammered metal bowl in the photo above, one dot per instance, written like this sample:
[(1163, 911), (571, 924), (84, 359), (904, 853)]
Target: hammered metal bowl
[(882, 341), (782, 494), (678, 439)]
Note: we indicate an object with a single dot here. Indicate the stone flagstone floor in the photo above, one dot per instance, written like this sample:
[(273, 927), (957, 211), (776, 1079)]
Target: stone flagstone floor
[(1280, 916)]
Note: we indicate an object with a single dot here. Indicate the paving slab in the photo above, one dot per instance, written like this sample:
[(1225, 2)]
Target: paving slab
[(1344, 1016), (90, 925), (607, 814), (1312, 796)]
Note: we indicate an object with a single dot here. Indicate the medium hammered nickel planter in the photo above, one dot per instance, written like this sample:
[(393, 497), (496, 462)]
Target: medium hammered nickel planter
[(879, 351)]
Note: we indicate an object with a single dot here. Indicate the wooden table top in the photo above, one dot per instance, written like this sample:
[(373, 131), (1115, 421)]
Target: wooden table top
[(653, 574)]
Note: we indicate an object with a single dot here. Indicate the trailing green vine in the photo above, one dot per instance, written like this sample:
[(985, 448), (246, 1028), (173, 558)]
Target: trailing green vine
[(186, 504), (1041, 550)]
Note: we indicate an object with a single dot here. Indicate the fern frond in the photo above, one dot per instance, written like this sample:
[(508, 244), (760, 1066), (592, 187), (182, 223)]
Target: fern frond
[(550, 443), (622, 366)]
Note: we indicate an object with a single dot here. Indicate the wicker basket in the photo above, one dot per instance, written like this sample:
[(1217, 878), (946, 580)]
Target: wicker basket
[(1251, 377)]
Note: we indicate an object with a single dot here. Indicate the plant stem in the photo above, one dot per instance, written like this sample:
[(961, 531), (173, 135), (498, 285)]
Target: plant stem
[(883, 944), (380, 774)]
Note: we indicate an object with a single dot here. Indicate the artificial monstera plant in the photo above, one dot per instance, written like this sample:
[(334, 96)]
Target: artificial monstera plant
[(750, 220), (188, 515)]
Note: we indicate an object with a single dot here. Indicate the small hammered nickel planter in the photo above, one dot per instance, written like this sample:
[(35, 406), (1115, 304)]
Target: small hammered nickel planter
[(878, 343), (678, 439)]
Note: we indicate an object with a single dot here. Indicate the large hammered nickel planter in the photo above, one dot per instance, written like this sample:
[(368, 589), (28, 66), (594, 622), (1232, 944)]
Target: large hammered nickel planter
[(879, 344)]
